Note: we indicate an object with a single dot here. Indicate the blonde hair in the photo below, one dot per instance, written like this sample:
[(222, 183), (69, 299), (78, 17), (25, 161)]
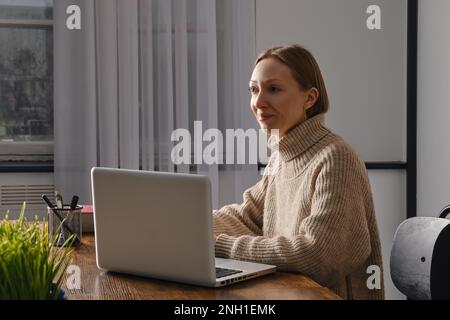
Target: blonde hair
[(305, 71)]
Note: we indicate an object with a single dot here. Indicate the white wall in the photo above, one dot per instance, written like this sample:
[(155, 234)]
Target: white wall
[(433, 143), (389, 196), (365, 74)]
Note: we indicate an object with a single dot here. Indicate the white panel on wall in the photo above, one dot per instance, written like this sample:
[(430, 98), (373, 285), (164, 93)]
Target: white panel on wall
[(365, 75), (389, 194), (364, 70), (433, 108)]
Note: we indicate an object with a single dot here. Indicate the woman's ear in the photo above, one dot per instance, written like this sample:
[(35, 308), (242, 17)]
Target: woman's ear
[(312, 96)]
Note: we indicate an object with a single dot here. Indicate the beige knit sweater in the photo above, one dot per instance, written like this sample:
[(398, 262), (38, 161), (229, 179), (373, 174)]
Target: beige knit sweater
[(315, 216)]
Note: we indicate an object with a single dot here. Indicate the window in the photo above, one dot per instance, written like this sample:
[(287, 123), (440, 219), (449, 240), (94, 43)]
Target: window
[(26, 80)]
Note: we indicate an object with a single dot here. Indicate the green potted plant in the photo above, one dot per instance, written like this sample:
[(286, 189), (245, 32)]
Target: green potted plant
[(31, 267)]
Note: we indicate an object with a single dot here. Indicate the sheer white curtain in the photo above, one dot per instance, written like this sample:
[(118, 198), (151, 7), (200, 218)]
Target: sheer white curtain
[(137, 70)]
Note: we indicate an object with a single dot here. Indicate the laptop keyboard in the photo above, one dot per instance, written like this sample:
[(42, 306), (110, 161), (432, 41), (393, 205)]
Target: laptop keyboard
[(222, 272)]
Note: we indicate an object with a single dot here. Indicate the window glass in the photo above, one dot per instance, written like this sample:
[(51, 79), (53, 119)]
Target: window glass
[(26, 84)]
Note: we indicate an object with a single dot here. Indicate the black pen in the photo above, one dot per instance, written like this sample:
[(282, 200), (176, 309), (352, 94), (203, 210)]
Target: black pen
[(74, 202), (51, 206)]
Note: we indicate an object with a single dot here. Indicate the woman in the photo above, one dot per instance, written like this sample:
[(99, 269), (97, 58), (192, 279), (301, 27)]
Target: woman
[(315, 216)]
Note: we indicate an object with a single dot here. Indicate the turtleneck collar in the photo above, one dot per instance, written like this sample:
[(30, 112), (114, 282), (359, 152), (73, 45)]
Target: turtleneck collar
[(302, 137)]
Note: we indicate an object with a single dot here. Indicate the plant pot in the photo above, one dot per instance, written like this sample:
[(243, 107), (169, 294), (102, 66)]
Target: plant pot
[(62, 294)]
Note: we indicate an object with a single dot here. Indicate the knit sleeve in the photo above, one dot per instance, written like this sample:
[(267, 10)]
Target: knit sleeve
[(333, 239), (245, 218)]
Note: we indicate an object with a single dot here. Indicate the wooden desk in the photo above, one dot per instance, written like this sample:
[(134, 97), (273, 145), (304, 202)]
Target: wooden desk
[(98, 285)]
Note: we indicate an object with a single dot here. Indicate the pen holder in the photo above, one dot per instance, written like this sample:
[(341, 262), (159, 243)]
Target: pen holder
[(59, 230)]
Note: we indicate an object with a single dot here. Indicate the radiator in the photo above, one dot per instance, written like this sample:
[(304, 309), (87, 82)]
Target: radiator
[(16, 188)]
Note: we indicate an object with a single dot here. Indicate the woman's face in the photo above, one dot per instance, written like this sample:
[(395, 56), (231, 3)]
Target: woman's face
[(276, 98)]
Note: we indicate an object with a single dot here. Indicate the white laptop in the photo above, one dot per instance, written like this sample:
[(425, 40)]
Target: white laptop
[(159, 225)]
